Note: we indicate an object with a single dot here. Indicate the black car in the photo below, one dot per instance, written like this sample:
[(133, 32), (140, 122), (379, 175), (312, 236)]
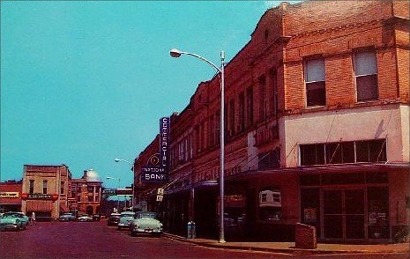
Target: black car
[(113, 219)]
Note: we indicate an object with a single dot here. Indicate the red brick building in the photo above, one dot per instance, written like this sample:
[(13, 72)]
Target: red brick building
[(316, 129), (10, 196)]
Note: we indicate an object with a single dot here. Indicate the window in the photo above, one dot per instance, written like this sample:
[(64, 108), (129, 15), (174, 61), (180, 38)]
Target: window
[(231, 118), (44, 186), (366, 76), (62, 188), (262, 98), (274, 98), (31, 187), (315, 82), (212, 136), (249, 107), (343, 152), (241, 116), (312, 154)]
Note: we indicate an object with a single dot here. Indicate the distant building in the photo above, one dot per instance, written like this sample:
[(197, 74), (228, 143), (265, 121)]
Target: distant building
[(10, 196), (85, 195), (45, 190)]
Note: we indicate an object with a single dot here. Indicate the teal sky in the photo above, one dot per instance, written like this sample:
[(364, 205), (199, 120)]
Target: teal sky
[(84, 82)]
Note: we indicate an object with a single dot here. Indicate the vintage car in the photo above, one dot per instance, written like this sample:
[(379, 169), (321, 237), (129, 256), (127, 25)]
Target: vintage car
[(125, 219), (84, 218), (145, 223), (113, 219), (13, 221), (67, 216)]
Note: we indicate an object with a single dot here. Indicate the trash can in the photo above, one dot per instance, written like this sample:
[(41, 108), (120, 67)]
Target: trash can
[(191, 230)]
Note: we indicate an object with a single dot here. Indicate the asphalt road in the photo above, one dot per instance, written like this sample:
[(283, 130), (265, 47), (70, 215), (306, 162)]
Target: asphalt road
[(58, 240)]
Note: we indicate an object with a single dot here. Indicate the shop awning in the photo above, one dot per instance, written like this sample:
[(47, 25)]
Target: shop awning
[(38, 205)]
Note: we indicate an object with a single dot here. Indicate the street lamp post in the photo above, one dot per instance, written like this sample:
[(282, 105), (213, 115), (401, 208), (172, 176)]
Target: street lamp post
[(176, 54), (118, 197), (133, 178)]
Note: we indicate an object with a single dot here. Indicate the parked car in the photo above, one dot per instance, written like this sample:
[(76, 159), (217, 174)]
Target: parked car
[(146, 223), (13, 221), (113, 219), (125, 219), (84, 218), (67, 216)]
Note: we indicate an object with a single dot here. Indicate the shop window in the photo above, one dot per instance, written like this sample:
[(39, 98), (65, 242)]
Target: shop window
[(365, 67), (378, 203), (310, 202), (270, 205), (315, 82)]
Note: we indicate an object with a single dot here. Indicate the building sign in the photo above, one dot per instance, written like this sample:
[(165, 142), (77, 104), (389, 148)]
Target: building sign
[(109, 191), (153, 174), (9, 194), (164, 142), (39, 196), (126, 191)]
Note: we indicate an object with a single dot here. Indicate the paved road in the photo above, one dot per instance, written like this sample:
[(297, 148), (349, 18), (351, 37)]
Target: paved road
[(96, 240)]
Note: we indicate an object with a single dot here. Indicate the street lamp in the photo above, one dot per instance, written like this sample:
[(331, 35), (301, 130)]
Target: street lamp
[(118, 197), (133, 178), (175, 53)]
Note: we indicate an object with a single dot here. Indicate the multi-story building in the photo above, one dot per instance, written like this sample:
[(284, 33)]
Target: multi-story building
[(316, 129), (85, 195), (45, 190)]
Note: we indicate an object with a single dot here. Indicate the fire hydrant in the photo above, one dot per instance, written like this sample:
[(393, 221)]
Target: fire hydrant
[(191, 230)]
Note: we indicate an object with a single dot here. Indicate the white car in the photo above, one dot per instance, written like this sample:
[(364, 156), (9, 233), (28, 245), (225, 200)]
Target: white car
[(146, 223), (126, 218)]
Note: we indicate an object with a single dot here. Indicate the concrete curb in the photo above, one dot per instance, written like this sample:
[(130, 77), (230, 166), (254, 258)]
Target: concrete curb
[(250, 246)]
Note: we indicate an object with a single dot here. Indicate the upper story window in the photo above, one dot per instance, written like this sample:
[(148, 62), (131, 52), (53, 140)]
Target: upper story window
[(44, 186), (62, 187), (262, 98), (249, 107), (365, 68), (31, 186), (274, 85), (241, 117), (315, 82)]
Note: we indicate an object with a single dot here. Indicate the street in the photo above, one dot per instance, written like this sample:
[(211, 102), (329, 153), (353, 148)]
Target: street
[(97, 240)]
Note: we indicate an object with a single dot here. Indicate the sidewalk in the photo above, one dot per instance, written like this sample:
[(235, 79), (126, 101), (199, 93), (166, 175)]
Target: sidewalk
[(289, 247)]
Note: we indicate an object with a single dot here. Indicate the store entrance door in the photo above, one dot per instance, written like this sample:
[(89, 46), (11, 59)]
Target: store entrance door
[(343, 212)]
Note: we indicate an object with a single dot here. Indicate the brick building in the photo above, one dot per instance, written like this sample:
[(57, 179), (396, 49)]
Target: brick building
[(85, 196), (317, 129), (45, 190), (10, 196)]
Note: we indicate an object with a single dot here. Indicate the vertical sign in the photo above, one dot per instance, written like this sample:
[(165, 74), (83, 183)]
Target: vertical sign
[(164, 143)]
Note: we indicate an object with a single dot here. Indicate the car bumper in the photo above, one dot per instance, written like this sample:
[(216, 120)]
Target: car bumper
[(147, 230), (9, 227)]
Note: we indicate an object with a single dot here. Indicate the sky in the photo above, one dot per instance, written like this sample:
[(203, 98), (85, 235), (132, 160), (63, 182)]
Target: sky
[(85, 82)]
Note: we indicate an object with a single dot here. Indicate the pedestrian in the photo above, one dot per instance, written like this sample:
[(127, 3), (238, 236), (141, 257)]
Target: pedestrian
[(33, 217)]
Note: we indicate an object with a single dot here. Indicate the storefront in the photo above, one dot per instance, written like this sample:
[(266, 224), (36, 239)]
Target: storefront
[(354, 204)]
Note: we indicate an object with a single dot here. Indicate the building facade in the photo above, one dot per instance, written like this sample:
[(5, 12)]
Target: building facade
[(316, 130), (85, 196), (10, 196), (45, 190)]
